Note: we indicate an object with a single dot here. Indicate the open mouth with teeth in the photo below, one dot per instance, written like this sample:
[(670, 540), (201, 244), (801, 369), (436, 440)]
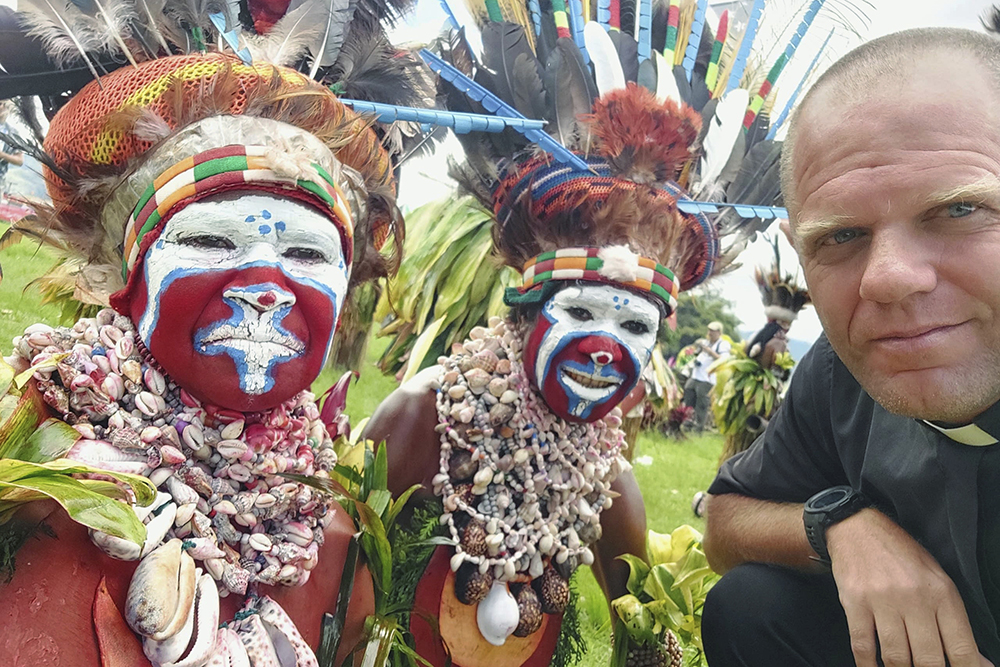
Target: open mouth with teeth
[(589, 386)]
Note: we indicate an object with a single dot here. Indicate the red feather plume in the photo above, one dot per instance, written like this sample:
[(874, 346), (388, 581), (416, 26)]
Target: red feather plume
[(644, 139)]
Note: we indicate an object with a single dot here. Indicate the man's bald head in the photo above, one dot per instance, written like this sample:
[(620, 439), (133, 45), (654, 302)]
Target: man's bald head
[(879, 68)]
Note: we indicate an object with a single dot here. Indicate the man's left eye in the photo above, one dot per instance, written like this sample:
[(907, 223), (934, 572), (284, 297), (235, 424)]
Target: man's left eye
[(632, 326), (305, 254), (961, 209)]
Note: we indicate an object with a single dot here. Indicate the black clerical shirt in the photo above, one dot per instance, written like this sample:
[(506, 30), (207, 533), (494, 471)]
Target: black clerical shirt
[(944, 493)]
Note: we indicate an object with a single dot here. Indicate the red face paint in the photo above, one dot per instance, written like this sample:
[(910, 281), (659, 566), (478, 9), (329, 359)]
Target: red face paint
[(192, 306)]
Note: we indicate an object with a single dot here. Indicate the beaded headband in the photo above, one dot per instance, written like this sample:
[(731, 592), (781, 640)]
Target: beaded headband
[(227, 168), (614, 265)]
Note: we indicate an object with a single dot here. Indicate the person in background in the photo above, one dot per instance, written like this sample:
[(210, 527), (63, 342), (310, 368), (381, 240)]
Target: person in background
[(698, 388), (8, 154)]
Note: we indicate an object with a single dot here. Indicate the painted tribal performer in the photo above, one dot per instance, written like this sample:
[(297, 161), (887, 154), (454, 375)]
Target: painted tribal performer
[(516, 436), (222, 208), (749, 383)]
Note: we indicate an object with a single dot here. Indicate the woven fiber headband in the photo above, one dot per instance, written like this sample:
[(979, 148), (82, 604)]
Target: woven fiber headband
[(615, 265), (223, 169)]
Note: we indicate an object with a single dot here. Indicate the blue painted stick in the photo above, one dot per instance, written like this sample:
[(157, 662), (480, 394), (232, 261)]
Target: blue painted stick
[(460, 122), (743, 210), (776, 125), (645, 25), (495, 105), (536, 16), (604, 14), (219, 21), (576, 27), (740, 64), (694, 39)]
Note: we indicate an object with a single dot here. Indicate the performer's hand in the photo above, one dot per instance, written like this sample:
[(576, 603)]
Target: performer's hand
[(892, 589)]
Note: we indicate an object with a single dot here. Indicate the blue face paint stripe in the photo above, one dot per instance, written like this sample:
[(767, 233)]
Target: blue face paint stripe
[(177, 274), (239, 356)]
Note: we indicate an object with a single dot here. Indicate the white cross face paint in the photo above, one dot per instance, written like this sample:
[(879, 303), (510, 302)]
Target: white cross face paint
[(254, 282), (589, 347)]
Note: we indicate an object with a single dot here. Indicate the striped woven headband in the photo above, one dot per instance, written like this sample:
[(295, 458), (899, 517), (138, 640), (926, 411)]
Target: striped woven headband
[(616, 265), (222, 169)]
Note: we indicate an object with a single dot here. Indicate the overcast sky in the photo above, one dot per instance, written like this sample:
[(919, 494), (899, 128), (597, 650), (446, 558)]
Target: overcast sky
[(424, 179)]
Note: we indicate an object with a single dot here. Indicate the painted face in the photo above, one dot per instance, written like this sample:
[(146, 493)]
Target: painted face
[(896, 214), (239, 298), (588, 349)]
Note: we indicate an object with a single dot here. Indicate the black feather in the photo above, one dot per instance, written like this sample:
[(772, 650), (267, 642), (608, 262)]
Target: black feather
[(758, 130), (647, 75), (628, 53), (683, 87), (546, 41), (384, 11), (368, 67), (26, 110), (570, 89), (757, 183), (991, 21), (504, 45), (455, 49), (628, 14), (529, 93), (658, 33)]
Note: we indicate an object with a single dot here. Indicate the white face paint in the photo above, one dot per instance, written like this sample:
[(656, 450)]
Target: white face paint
[(578, 317), (265, 240)]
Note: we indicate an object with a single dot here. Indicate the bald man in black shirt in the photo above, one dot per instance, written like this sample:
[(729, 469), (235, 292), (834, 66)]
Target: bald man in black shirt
[(861, 527)]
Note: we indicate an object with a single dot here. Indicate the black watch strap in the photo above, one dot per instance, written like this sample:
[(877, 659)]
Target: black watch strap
[(826, 508)]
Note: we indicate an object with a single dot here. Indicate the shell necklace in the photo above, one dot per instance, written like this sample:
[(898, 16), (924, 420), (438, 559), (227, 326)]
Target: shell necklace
[(522, 489), (221, 500)]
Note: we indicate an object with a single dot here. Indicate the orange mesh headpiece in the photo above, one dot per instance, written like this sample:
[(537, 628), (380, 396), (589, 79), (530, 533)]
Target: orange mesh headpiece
[(109, 131)]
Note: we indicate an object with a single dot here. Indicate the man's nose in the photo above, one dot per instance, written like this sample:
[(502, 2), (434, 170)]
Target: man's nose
[(261, 299), (601, 349), (898, 265)]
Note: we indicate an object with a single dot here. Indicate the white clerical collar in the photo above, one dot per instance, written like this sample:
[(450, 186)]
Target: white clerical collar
[(984, 430), (970, 434)]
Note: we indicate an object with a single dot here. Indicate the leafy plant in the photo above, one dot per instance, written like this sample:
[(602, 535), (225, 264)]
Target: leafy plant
[(32, 445), (448, 283), (743, 388), (665, 595)]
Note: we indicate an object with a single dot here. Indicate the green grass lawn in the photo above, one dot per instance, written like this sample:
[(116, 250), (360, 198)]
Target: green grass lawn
[(669, 472)]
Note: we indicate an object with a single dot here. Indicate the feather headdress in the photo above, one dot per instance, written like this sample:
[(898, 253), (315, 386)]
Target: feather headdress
[(660, 129), (782, 295), (110, 148)]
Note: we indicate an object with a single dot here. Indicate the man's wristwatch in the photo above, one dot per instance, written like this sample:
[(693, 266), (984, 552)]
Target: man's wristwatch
[(825, 509)]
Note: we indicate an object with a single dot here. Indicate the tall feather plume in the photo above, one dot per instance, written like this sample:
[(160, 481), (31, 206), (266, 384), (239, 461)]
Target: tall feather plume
[(505, 44), (146, 24), (571, 91), (191, 18), (608, 72), (328, 42), (369, 68), (114, 17), (645, 140), (66, 34), (628, 53), (629, 15)]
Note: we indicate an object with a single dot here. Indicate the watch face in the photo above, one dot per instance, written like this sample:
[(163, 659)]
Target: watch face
[(830, 497)]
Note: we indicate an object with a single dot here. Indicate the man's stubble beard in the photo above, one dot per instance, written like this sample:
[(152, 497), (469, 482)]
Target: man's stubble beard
[(957, 399)]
